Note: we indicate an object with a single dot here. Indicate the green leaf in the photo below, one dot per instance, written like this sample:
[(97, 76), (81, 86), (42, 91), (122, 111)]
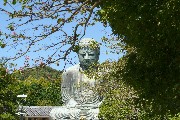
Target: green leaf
[(76, 48), (5, 1), (60, 20), (14, 2), (3, 45)]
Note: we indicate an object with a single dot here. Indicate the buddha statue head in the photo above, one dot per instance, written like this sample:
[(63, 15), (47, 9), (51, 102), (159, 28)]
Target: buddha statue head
[(88, 53)]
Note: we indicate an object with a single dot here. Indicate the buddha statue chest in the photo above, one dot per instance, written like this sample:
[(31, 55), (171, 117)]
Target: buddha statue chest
[(76, 85)]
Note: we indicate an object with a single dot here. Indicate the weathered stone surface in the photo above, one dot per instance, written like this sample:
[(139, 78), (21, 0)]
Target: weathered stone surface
[(77, 90)]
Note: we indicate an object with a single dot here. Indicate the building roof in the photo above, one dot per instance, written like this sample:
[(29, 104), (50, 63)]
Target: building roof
[(32, 111)]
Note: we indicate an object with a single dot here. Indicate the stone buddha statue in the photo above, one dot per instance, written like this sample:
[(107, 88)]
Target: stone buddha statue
[(77, 89)]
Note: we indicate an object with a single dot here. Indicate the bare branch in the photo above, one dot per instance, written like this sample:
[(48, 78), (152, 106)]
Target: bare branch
[(60, 13), (3, 10)]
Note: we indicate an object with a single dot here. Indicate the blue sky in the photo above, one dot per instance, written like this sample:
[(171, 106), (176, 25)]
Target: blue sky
[(97, 32)]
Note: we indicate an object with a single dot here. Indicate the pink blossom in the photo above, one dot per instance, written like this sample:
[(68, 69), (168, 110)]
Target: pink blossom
[(13, 33), (6, 12), (27, 58)]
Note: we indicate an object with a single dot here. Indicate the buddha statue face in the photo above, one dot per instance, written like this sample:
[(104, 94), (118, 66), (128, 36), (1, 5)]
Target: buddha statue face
[(88, 55)]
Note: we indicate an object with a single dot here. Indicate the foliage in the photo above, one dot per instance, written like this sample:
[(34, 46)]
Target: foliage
[(121, 101), (41, 84), (151, 41), (15, 1), (176, 117), (118, 97), (41, 92), (37, 72), (118, 103), (8, 90)]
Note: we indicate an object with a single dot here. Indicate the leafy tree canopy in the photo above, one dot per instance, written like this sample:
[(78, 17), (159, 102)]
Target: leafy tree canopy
[(151, 38), (8, 91), (37, 72), (40, 91)]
